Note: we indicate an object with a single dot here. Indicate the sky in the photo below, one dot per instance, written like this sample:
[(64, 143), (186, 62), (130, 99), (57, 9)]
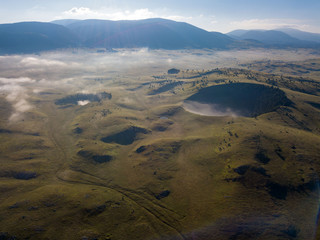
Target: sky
[(211, 15)]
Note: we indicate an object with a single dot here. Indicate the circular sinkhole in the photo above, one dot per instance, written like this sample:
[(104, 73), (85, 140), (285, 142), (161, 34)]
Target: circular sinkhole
[(236, 99)]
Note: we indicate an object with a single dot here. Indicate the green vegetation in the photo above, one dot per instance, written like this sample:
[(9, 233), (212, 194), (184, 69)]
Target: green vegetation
[(139, 166)]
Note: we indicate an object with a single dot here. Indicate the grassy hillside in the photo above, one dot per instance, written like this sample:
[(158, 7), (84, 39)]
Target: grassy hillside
[(139, 166)]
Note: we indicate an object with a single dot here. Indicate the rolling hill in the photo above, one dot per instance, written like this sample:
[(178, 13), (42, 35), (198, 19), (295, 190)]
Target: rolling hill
[(30, 37), (137, 164), (152, 33)]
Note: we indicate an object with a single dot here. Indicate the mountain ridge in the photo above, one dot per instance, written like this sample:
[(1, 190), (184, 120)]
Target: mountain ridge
[(30, 37), (153, 33), (302, 35), (278, 37)]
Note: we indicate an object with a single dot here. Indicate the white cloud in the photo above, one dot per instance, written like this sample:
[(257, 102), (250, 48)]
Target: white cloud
[(22, 106), (141, 13), (83, 103), (118, 14), (208, 109), (80, 11), (110, 14), (16, 80), (16, 95), (32, 62)]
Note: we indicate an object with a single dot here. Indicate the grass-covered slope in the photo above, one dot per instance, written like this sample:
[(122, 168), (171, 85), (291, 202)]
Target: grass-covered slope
[(138, 166)]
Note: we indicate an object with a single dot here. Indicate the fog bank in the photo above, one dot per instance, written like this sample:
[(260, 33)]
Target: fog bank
[(90, 71), (203, 109)]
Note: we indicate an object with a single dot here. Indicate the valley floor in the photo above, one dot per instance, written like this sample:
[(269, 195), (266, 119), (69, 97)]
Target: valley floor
[(104, 152)]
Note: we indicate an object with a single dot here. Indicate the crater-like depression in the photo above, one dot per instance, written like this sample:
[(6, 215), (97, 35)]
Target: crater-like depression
[(236, 99)]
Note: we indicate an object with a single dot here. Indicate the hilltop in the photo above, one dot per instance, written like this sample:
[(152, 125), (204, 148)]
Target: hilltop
[(151, 33), (156, 33)]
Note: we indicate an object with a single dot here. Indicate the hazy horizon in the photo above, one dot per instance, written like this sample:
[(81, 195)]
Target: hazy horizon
[(220, 16)]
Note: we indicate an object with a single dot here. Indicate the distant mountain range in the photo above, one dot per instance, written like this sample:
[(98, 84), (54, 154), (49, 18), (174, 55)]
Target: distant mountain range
[(152, 33), (301, 35), (285, 37), (30, 37)]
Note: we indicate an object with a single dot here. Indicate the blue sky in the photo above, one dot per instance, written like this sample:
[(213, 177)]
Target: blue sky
[(212, 15)]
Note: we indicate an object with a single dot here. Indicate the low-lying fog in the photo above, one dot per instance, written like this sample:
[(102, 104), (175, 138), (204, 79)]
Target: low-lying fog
[(208, 109), (80, 70)]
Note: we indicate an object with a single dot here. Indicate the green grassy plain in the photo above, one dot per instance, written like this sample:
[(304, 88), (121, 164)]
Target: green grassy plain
[(194, 177)]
